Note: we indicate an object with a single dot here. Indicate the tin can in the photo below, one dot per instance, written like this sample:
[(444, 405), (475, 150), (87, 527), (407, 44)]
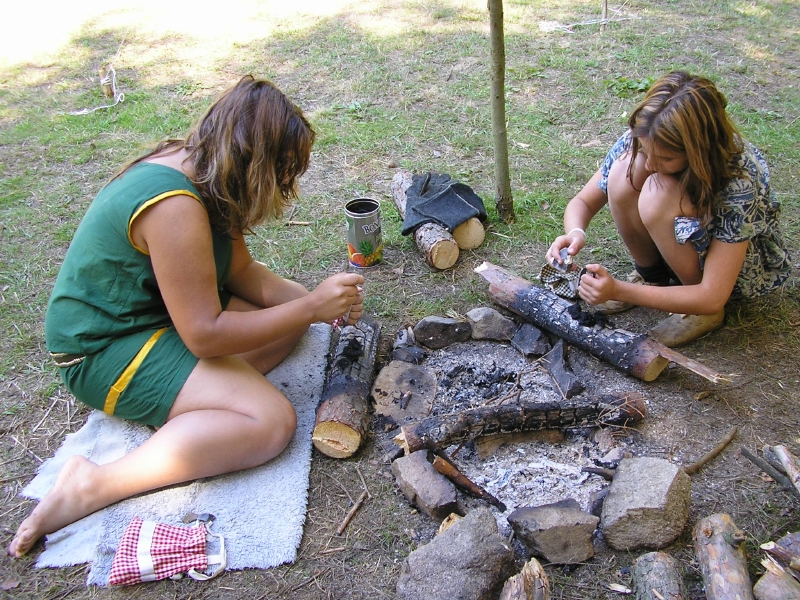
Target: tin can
[(364, 243)]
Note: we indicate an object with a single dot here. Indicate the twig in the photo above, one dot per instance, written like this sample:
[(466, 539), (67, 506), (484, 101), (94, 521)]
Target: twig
[(45, 415), (287, 223), (697, 465), (443, 465), (352, 512), (771, 471)]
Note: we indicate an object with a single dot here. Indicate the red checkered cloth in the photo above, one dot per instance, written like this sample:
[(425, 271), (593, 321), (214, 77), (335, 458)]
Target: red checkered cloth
[(149, 551)]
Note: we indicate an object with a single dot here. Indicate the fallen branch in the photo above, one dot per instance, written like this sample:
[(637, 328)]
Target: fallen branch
[(697, 465), (352, 512), (779, 477), (719, 546)]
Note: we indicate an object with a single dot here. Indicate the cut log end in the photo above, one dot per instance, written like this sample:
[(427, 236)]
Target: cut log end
[(470, 234), (336, 440)]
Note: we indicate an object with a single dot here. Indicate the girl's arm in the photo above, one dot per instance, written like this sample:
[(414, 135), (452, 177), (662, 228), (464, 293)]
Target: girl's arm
[(577, 216), (722, 266), (177, 235)]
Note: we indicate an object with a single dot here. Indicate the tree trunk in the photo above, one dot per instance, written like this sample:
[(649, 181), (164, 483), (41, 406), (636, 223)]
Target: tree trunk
[(440, 431), (635, 354), (437, 245), (656, 577), (503, 198), (343, 414), (719, 546)]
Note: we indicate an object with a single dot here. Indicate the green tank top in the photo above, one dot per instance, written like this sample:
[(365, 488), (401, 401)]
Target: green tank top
[(106, 288)]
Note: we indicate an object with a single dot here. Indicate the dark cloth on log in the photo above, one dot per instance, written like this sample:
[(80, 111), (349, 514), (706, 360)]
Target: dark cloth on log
[(435, 197)]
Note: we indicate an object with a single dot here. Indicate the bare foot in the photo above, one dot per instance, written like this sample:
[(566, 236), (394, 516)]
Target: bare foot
[(70, 499)]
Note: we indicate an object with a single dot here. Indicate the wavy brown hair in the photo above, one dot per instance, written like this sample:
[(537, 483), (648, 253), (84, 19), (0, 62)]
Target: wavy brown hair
[(248, 151), (686, 114)]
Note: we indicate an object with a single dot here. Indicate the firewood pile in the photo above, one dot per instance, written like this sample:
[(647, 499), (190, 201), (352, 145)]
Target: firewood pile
[(471, 418)]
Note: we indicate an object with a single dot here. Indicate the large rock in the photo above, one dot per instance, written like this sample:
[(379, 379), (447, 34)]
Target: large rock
[(489, 324), (438, 332), (424, 486), (560, 532), (647, 504), (468, 561)]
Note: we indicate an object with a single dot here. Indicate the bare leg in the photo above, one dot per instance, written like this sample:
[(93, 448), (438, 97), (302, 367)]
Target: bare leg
[(226, 418), (660, 202), (623, 201)]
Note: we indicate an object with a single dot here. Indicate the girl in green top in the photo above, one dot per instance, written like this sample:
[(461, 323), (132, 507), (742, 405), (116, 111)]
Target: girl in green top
[(161, 315)]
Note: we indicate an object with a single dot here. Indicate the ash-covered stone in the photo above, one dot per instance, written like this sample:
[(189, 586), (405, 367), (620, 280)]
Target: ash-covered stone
[(438, 332), (489, 324)]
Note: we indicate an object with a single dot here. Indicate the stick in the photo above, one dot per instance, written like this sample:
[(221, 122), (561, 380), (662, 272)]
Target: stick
[(695, 466), (352, 512), (449, 470), (771, 471)]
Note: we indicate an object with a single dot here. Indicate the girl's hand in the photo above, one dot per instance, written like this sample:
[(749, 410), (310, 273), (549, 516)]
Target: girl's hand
[(597, 285), (572, 241), (337, 295)]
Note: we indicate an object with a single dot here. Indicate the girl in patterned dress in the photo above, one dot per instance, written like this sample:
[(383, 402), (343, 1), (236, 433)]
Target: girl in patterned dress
[(693, 204)]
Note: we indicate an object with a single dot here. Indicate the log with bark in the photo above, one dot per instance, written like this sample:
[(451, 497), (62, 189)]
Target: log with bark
[(440, 431), (656, 577), (776, 583), (439, 247), (635, 354), (343, 414), (719, 547)]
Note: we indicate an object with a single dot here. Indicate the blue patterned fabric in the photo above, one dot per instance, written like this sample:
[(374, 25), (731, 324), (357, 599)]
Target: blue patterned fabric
[(747, 210)]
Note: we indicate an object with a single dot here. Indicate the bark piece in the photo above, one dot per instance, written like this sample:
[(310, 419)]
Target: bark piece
[(656, 577), (343, 414), (441, 431), (531, 583), (555, 361), (635, 354), (719, 547), (437, 245)]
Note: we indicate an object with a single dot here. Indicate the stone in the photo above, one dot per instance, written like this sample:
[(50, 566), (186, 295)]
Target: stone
[(647, 504), (424, 487), (438, 332), (531, 341), (489, 324), (560, 532), (470, 560)]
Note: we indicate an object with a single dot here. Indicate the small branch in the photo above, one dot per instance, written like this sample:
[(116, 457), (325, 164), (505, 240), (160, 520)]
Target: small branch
[(696, 466), (352, 512), (789, 462), (771, 471), (288, 223), (449, 470)]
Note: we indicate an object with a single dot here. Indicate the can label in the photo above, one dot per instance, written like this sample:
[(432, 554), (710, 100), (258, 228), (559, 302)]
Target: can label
[(364, 243)]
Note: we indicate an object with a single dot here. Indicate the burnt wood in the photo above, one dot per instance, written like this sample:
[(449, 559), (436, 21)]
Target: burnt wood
[(635, 354), (440, 431), (343, 413)]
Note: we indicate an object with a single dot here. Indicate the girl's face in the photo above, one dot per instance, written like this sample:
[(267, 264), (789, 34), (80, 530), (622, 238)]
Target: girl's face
[(660, 160)]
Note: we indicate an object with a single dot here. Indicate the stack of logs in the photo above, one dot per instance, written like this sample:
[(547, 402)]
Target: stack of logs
[(439, 248)]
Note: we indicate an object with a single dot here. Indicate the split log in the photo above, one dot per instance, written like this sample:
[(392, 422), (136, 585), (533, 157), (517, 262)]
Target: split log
[(343, 414), (656, 577), (635, 354), (776, 583), (531, 583), (440, 431), (436, 243), (789, 464), (719, 547), (449, 470)]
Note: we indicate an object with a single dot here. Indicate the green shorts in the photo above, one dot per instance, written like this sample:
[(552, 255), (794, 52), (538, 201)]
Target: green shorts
[(137, 377)]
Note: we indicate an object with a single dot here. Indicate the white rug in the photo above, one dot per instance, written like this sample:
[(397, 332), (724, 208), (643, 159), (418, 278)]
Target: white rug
[(260, 512)]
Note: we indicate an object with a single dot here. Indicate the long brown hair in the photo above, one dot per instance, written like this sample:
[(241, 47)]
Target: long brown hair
[(248, 151), (686, 114)]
